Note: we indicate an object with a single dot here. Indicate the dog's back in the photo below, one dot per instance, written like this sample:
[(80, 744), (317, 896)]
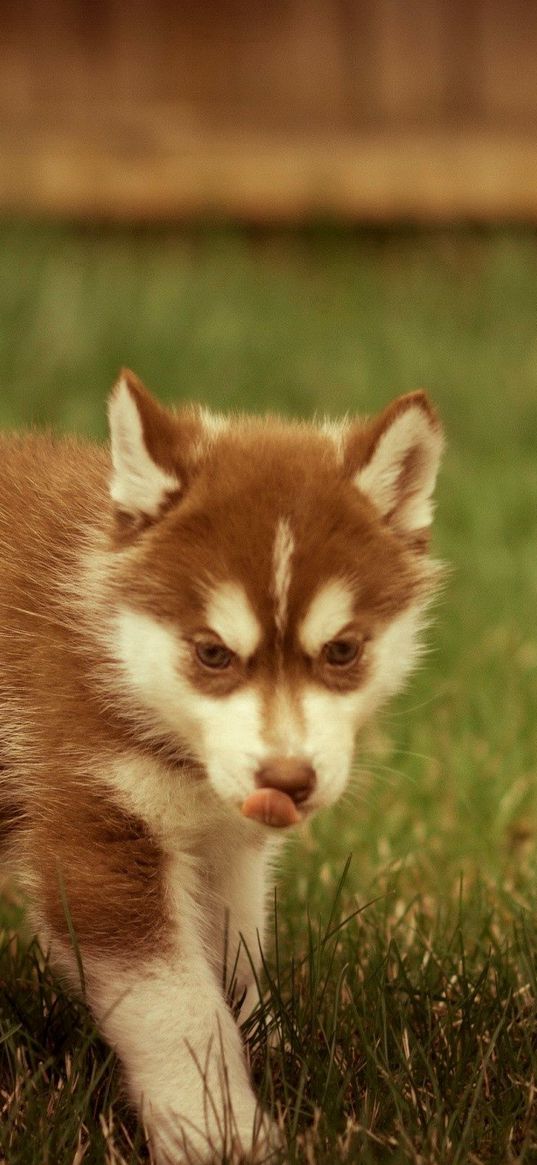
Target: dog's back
[(53, 501)]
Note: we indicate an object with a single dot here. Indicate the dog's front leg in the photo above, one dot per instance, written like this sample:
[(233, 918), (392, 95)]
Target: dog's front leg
[(141, 938), (181, 1050), (240, 884)]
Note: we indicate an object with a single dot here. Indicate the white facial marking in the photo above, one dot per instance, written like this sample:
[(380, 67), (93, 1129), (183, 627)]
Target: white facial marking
[(396, 651), (138, 484), (330, 723), (231, 741), (286, 733), (381, 477), (213, 423), (284, 545), (228, 734), (224, 733), (336, 431), (151, 654), (329, 611), (332, 719), (230, 614)]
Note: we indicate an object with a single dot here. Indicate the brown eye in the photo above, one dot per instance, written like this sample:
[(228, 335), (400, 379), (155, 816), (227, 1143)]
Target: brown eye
[(214, 655), (341, 652)]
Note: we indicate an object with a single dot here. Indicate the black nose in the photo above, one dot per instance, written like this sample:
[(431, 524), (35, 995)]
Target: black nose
[(292, 776)]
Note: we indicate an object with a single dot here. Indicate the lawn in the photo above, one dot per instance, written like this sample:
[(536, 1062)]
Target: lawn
[(404, 980)]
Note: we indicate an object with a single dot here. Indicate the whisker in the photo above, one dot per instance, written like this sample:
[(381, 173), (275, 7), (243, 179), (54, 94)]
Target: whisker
[(416, 755), (398, 715), (381, 770)]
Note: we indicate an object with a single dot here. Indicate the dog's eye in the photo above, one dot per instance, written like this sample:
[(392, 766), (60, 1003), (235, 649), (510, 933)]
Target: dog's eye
[(341, 652), (214, 655)]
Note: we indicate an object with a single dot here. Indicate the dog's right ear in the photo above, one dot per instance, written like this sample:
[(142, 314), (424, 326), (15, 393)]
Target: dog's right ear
[(394, 460), (147, 444)]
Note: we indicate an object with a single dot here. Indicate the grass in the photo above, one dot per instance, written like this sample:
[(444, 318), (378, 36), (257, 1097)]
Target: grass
[(408, 1033)]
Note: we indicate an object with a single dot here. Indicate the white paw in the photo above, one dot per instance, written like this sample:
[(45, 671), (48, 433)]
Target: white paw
[(262, 1144), (250, 1139)]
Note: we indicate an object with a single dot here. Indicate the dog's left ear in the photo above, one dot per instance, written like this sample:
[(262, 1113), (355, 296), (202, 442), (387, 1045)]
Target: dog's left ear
[(394, 461), (155, 454), (144, 440)]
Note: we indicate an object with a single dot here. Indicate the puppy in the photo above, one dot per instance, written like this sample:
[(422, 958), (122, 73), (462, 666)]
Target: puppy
[(194, 625)]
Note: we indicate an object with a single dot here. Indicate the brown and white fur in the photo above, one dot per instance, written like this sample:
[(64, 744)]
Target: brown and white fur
[(216, 606)]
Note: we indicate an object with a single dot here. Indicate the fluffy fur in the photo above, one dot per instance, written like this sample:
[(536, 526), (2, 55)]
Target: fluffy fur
[(209, 607)]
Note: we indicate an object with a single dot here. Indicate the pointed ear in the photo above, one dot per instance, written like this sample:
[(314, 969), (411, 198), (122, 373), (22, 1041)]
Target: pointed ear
[(396, 462), (144, 437)]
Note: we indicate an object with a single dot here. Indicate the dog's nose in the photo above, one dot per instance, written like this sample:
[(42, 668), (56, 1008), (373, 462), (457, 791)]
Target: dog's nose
[(292, 776)]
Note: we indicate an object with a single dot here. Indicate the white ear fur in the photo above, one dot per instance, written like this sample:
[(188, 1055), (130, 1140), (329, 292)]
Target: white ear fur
[(400, 475), (139, 486)]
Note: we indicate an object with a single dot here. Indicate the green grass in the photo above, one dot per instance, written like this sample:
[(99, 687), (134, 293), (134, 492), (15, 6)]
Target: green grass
[(409, 1034)]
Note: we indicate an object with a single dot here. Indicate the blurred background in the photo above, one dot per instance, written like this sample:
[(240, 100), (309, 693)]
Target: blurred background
[(372, 109), (309, 205)]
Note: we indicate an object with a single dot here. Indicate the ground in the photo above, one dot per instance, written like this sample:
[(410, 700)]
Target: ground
[(404, 977)]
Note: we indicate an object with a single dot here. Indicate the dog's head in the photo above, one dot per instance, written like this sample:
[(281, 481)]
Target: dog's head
[(271, 582)]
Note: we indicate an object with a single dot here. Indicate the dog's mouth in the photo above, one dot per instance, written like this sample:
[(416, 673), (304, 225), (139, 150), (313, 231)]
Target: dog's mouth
[(271, 807)]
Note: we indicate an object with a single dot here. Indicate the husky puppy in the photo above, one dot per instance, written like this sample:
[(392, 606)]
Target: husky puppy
[(193, 626)]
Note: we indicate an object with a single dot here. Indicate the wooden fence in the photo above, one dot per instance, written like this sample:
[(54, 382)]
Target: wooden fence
[(269, 109)]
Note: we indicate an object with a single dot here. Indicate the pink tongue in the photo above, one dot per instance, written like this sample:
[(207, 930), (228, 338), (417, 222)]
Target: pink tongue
[(271, 807)]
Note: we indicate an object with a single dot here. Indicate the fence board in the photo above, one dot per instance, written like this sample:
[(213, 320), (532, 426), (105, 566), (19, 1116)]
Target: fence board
[(410, 58), (508, 60), (369, 108)]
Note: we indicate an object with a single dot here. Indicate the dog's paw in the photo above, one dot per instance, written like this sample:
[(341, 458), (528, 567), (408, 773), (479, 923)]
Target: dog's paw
[(260, 1145), (252, 1139)]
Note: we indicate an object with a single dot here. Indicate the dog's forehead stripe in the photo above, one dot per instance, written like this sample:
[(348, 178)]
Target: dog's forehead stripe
[(336, 431), (284, 545), (329, 611), (230, 614)]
